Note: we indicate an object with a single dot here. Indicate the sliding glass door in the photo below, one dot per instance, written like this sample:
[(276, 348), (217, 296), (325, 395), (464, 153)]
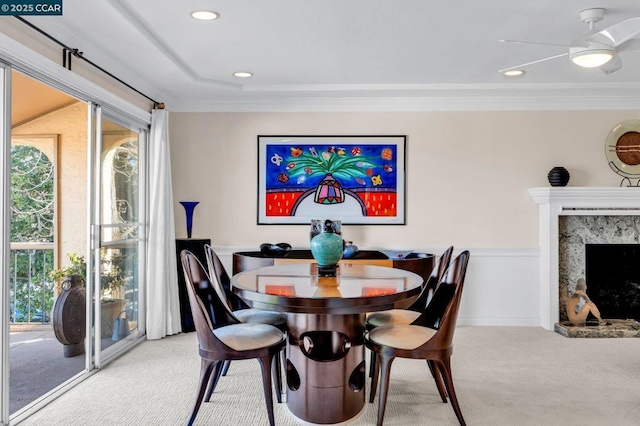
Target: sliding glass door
[(117, 231), (5, 202), (82, 168)]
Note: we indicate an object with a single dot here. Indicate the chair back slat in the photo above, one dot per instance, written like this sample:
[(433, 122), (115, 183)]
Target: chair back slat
[(217, 269), (429, 288), (207, 308), (442, 312)]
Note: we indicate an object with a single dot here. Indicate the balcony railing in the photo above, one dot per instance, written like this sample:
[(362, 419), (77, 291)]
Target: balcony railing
[(31, 291)]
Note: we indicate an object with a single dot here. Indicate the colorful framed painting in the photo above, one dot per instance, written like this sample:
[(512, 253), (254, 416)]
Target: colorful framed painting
[(355, 179)]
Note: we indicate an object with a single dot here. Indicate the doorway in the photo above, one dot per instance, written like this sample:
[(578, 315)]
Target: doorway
[(77, 189), (48, 207)]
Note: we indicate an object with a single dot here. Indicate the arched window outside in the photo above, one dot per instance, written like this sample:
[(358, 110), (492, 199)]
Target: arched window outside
[(32, 232)]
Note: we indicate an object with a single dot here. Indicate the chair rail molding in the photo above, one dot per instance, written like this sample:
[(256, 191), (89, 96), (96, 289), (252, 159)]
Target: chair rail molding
[(496, 276), (554, 202)]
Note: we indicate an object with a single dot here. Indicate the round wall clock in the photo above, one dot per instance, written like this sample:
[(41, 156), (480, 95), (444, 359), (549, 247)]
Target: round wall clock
[(623, 150)]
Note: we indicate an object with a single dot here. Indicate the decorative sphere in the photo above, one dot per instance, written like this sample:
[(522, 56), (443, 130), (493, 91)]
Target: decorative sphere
[(326, 248), (558, 176)]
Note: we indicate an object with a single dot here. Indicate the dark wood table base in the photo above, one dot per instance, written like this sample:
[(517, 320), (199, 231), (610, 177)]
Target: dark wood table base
[(325, 317), (325, 367)]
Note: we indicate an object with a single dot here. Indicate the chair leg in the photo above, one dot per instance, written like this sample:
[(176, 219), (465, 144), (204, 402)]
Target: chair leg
[(277, 376), (206, 368), (374, 380), (213, 381), (265, 366), (372, 364), (436, 376), (225, 370), (445, 369), (385, 366)]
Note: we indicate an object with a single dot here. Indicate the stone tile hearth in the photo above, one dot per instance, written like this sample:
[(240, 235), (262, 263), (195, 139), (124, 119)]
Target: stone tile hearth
[(614, 328)]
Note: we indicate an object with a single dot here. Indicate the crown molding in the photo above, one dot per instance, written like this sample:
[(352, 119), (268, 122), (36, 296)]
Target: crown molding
[(413, 104)]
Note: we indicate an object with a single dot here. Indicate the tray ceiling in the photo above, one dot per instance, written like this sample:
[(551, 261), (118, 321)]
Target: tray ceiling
[(360, 54)]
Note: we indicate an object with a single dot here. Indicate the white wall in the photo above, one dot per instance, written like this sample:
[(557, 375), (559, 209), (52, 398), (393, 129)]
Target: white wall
[(467, 180), (467, 172)]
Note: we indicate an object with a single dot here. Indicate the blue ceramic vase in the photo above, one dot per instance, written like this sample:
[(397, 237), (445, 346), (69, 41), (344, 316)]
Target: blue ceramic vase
[(326, 248)]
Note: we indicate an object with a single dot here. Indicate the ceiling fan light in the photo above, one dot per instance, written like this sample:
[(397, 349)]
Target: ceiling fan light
[(591, 58)]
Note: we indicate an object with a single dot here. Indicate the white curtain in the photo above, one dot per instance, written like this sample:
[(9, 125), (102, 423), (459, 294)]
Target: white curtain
[(161, 295)]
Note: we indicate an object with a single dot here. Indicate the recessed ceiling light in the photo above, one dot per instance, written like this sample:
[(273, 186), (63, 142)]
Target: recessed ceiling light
[(242, 74), (205, 15), (513, 73)]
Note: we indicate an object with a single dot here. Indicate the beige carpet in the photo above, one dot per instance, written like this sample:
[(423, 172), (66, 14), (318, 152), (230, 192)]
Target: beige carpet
[(503, 376)]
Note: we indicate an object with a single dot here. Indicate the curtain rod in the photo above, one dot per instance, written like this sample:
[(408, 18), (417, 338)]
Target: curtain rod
[(68, 52)]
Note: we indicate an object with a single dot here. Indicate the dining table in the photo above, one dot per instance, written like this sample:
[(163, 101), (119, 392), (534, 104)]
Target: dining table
[(325, 360)]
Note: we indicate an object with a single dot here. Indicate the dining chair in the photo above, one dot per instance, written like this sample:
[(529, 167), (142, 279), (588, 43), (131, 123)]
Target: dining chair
[(428, 337), (410, 314), (222, 337), (239, 308)]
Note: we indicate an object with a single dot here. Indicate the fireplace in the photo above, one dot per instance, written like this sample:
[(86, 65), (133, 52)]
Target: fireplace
[(594, 216), (613, 279)]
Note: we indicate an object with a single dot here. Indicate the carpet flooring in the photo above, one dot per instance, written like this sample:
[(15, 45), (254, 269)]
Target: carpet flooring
[(503, 376)]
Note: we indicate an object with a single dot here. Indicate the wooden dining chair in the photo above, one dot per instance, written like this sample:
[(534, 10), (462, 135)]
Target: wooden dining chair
[(222, 337), (240, 309), (410, 314), (429, 337)]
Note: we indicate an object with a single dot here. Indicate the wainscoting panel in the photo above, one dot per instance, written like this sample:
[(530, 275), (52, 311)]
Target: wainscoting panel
[(501, 288)]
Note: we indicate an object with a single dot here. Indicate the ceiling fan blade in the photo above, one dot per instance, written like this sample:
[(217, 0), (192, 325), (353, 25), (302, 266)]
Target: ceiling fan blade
[(620, 32), (630, 46), (532, 42), (533, 62), (612, 66)]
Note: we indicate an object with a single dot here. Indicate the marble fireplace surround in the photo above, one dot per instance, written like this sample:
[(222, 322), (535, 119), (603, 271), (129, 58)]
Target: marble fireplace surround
[(608, 215)]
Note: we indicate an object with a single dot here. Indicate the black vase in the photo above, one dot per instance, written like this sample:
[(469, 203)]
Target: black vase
[(558, 176)]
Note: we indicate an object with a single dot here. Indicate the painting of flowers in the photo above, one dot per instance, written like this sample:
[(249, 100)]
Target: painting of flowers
[(356, 179)]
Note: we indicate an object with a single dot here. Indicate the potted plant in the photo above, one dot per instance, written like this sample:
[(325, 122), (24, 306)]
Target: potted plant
[(113, 278), (76, 267)]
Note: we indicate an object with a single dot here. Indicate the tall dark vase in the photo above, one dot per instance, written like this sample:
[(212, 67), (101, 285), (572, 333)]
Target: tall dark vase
[(558, 176), (68, 317), (189, 206)]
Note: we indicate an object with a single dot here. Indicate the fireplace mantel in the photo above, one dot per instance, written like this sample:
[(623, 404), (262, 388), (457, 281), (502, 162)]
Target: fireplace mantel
[(563, 201)]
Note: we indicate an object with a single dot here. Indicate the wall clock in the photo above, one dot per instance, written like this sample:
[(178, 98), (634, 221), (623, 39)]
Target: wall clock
[(622, 149)]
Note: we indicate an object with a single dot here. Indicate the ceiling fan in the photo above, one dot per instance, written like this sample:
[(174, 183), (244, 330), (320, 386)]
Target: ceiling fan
[(594, 48)]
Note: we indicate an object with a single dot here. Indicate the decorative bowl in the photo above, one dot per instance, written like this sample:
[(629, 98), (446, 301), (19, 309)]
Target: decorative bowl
[(275, 250), (350, 250), (396, 254)]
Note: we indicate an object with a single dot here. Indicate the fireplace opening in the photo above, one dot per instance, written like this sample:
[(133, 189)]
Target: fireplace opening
[(613, 279)]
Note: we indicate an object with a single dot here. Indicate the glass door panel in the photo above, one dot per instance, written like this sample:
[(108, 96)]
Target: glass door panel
[(47, 221), (118, 253)]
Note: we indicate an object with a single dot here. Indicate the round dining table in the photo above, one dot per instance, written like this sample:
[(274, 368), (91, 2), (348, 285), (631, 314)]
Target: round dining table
[(325, 362)]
